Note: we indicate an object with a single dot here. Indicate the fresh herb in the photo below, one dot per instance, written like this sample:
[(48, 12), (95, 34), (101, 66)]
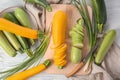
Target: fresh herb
[(30, 72), (95, 26), (38, 54)]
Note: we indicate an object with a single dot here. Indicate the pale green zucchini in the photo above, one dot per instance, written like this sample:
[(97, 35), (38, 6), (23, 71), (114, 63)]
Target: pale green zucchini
[(105, 46), (4, 43), (22, 17)]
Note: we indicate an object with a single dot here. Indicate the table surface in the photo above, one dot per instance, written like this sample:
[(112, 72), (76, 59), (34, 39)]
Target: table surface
[(113, 22)]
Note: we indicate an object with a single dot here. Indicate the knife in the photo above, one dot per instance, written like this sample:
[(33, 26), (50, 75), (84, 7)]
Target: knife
[(83, 62)]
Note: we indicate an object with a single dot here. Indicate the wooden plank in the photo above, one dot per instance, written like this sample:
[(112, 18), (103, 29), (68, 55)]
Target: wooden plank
[(73, 16)]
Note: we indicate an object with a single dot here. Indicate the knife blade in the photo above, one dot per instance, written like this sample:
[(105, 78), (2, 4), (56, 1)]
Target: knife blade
[(90, 53)]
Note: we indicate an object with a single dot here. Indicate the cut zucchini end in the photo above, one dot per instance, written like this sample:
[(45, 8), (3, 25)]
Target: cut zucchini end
[(98, 63), (12, 55)]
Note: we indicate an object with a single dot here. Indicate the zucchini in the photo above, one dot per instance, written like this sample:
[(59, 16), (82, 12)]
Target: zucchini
[(23, 41), (13, 40), (99, 10), (4, 43), (77, 35), (105, 46), (10, 16), (76, 55), (22, 17), (11, 37)]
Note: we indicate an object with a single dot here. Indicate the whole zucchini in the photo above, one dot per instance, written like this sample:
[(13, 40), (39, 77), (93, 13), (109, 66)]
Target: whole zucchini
[(105, 46), (4, 43)]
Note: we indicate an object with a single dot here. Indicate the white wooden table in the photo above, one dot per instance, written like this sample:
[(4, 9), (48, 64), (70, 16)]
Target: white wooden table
[(113, 22)]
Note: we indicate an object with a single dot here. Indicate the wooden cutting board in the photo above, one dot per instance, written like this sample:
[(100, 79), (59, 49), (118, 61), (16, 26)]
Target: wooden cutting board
[(73, 16)]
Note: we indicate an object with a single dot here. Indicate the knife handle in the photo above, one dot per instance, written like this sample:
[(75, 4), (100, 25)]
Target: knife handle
[(75, 70)]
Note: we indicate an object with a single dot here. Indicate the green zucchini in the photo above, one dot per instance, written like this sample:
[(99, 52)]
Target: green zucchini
[(76, 55), (105, 46), (4, 43), (99, 10), (22, 17), (77, 35), (13, 40), (10, 16), (23, 41)]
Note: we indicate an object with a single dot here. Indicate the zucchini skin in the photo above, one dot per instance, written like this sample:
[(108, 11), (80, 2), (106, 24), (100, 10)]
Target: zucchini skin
[(11, 37), (22, 17), (23, 41), (13, 40), (105, 46), (77, 35), (4, 43)]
